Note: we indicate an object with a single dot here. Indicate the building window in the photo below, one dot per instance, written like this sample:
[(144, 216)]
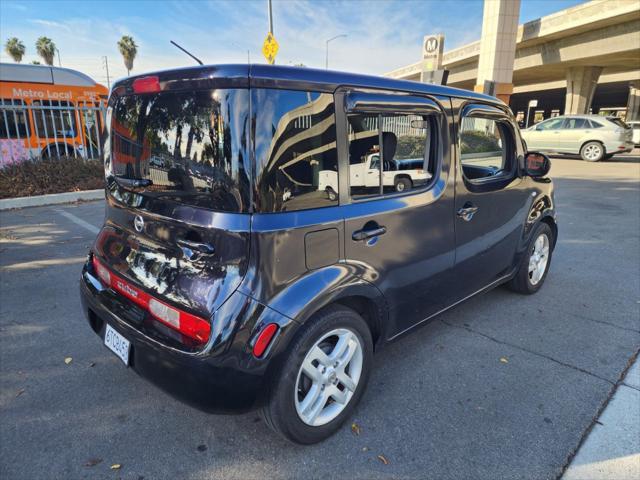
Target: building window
[(389, 153), (295, 150)]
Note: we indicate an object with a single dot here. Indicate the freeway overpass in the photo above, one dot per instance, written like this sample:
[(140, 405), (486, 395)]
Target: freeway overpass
[(585, 58)]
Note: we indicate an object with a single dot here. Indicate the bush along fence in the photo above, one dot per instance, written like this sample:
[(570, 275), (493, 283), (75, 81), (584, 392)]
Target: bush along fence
[(49, 129), (50, 146)]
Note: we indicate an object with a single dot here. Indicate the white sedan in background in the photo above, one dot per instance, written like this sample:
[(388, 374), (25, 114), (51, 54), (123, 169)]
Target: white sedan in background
[(593, 137)]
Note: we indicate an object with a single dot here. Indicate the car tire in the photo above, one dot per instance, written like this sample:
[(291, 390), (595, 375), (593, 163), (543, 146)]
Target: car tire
[(592, 152), (529, 278), (304, 411), (402, 184)]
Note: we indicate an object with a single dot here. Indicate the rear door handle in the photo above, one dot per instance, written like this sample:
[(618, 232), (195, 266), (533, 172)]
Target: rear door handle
[(364, 234), (467, 212), (201, 247)]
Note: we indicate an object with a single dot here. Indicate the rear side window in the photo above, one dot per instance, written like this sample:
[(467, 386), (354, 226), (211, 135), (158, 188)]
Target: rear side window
[(576, 123), (295, 150), (404, 140), (191, 145), (594, 124)]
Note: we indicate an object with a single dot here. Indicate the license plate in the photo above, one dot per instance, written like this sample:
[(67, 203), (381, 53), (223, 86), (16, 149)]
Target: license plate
[(117, 344)]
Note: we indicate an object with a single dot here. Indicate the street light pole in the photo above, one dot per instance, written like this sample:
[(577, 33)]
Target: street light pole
[(270, 17), (271, 23), (326, 55), (106, 66)]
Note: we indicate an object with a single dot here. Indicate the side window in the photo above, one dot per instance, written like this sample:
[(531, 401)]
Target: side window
[(486, 148), (389, 153), (551, 124), (53, 120), (295, 150), (576, 123), (595, 124), (13, 120)]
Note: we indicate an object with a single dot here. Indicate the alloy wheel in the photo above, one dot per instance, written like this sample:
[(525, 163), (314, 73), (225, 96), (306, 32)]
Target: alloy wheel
[(328, 377), (539, 259), (593, 151)]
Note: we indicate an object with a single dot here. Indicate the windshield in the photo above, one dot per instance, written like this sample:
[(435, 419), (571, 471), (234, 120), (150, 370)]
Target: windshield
[(190, 147)]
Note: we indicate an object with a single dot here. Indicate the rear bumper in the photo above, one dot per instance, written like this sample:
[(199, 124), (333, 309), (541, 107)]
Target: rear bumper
[(222, 378)]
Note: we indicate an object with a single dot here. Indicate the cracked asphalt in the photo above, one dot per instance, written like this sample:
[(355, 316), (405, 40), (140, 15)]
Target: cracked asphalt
[(502, 386)]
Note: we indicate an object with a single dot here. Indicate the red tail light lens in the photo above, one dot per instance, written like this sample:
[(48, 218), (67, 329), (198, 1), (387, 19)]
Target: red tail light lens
[(187, 324), (264, 339), (146, 85)]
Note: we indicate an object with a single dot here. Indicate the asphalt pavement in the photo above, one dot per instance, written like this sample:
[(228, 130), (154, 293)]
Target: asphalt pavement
[(502, 386)]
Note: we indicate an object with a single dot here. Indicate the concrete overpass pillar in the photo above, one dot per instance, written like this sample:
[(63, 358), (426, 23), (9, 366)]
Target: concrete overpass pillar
[(581, 85), (498, 48), (633, 103)]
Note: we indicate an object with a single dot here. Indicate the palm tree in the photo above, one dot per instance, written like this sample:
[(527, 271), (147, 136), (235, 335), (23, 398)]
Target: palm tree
[(46, 49), (129, 50), (15, 49)]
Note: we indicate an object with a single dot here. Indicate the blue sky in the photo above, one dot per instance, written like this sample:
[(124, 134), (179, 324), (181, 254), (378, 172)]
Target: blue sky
[(382, 35)]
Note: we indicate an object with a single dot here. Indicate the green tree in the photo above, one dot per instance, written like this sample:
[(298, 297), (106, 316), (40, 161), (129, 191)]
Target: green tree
[(129, 50), (46, 49), (35, 62), (15, 48)]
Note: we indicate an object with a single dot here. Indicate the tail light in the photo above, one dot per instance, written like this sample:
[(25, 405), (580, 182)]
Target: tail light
[(101, 271), (192, 326), (146, 85)]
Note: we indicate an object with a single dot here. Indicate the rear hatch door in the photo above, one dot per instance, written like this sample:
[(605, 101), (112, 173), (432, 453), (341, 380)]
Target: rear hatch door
[(177, 224)]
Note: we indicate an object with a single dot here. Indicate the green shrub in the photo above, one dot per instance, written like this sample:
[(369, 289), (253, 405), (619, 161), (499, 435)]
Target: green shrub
[(477, 142), (39, 177)]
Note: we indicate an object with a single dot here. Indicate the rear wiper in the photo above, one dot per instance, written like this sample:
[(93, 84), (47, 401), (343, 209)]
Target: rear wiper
[(131, 182)]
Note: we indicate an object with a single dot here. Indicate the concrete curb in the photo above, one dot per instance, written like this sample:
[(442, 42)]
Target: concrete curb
[(51, 199)]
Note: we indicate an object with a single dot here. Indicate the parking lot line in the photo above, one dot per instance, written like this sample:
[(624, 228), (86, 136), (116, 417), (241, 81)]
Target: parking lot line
[(78, 221)]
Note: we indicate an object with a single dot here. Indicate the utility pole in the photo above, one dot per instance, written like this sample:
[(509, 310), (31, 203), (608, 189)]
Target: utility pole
[(326, 54), (59, 62), (106, 66), (271, 22)]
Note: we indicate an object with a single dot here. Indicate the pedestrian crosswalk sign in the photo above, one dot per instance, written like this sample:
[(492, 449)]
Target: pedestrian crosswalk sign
[(270, 48)]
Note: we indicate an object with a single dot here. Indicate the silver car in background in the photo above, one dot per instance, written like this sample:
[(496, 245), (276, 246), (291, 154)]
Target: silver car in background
[(593, 137)]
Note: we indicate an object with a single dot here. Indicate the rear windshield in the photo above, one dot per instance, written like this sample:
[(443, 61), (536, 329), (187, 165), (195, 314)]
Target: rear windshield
[(192, 146), (619, 122)]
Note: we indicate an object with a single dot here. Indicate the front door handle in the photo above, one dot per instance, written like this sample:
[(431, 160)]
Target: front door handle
[(467, 212), (364, 234)]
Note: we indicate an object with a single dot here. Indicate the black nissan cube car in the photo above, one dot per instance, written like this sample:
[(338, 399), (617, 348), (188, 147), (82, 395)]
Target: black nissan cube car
[(268, 228)]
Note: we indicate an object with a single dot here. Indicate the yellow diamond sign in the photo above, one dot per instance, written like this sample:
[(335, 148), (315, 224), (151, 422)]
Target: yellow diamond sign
[(270, 48)]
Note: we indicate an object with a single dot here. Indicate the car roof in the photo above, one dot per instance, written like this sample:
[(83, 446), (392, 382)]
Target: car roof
[(278, 76)]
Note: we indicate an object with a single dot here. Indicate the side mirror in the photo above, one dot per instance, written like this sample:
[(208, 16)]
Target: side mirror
[(536, 164)]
